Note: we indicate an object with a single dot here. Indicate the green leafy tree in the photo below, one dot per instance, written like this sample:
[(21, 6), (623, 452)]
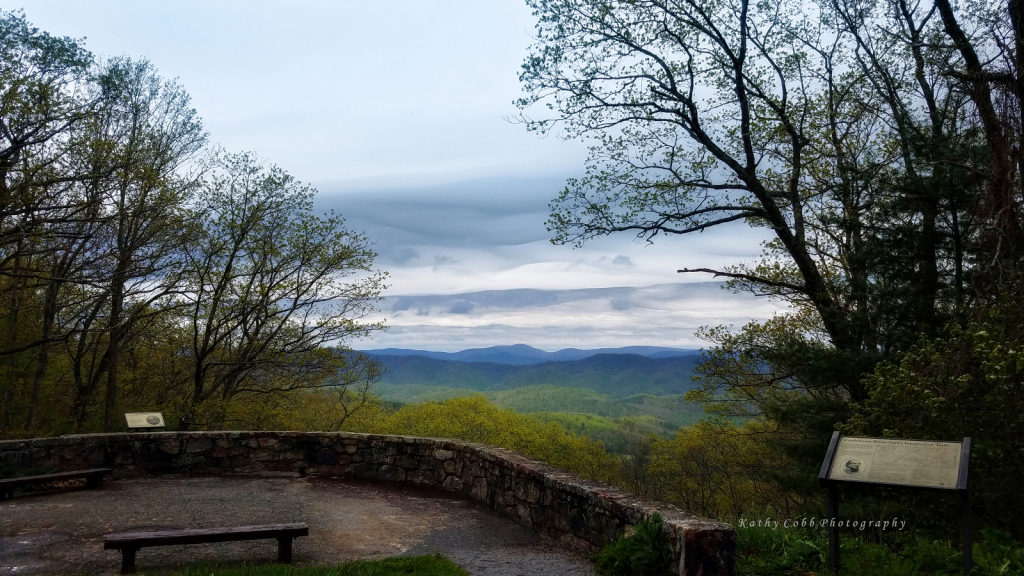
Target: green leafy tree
[(968, 382), (40, 104), (855, 132), (477, 420), (143, 138), (267, 304)]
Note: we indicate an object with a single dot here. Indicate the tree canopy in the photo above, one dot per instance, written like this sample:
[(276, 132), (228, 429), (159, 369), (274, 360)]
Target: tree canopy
[(143, 269), (878, 141)]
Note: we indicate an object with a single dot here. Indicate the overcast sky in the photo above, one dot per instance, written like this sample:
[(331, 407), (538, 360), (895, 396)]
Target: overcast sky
[(396, 111)]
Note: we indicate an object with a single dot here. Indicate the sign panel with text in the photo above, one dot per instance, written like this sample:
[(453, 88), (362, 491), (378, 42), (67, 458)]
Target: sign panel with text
[(898, 463), (903, 462)]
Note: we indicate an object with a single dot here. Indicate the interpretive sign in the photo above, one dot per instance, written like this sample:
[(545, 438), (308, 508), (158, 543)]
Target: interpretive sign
[(895, 462), (902, 462), (144, 419)]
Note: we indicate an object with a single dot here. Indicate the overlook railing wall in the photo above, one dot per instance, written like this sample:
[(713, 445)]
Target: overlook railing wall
[(558, 504)]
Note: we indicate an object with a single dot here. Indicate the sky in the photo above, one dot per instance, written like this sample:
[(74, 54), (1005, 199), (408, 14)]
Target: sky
[(399, 113)]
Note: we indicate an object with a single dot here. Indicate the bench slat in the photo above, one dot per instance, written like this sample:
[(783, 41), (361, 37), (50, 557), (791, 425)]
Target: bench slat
[(202, 535), (54, 477)]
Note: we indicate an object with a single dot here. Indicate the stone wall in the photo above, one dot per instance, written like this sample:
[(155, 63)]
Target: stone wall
[(555, 503)]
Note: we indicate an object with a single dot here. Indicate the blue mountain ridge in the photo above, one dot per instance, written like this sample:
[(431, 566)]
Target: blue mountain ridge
[(522, 354), (617, 375)]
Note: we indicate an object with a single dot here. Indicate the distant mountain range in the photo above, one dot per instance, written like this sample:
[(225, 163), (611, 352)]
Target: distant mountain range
[(617, 374), (523, 354)]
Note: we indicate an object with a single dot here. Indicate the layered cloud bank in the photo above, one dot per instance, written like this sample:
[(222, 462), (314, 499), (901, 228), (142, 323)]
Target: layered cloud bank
[(470, 265), (660, 315)]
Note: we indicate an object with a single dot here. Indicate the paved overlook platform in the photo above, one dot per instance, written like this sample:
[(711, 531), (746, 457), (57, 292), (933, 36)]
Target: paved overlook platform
[(61, 531), (484, 498)]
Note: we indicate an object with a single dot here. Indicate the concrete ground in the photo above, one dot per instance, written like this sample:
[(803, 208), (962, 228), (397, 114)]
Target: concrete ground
[(61, 531)]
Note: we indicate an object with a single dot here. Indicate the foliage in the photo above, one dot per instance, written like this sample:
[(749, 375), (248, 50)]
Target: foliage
[(139, 270), (581, 411), (433, 565), (416, 393), (476, 420), (764, 551), (717, 470), (643, 553), (316, 410), (600, 428), (264, 288), (869, 139), (782, 373), (969, 382), (670, 411)]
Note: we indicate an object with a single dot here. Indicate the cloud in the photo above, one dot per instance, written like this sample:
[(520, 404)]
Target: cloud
[(442, 260), (657, 315), (622, 260), (471, 265), (404, 255), (477, 213), (461, 308)]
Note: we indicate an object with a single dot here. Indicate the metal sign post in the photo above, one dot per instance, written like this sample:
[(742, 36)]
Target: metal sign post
[(893, 462)]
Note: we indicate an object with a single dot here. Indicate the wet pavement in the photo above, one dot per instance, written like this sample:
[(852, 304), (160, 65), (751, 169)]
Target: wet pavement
[(61, 531)]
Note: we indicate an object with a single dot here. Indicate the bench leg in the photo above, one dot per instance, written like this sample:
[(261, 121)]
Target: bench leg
[(93, 481), (284, 550), (128, 560), (6, 493)]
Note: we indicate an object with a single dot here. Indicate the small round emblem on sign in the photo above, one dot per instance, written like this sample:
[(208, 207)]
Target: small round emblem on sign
[(853, 466), (152, 420)]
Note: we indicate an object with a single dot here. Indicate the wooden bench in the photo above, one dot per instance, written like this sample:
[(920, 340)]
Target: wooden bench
[(93, 478), (130, 542)]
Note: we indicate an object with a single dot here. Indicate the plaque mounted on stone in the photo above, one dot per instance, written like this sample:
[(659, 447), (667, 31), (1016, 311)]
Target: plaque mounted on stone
[(144, 420)]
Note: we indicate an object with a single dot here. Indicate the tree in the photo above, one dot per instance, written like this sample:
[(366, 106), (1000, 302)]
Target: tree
[(477, 420), (40, 79), (114, 251), (717, 470), (40, 82), (132, 153), (265, 291), (155, 133), (870, 138), (967, 382)]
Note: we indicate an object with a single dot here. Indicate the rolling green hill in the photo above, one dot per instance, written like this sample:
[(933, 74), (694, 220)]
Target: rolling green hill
[(579, 410), (602, 396)]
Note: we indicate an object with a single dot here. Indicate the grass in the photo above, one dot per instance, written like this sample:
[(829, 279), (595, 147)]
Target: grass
[(434, 565)]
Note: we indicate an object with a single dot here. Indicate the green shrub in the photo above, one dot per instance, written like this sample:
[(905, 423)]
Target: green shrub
[(765, 552), (968, 382), (997, 554), (645, 553)]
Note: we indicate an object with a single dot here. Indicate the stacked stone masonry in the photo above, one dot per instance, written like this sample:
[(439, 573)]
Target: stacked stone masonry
[(563, 506)]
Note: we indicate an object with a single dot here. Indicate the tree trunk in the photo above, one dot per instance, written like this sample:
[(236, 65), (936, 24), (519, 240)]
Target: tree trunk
[(11, 343), (113, 349), (43, 358)]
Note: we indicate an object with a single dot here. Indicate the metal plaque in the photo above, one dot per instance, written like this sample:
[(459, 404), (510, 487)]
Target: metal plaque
[(902, 462), (144, 419)]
